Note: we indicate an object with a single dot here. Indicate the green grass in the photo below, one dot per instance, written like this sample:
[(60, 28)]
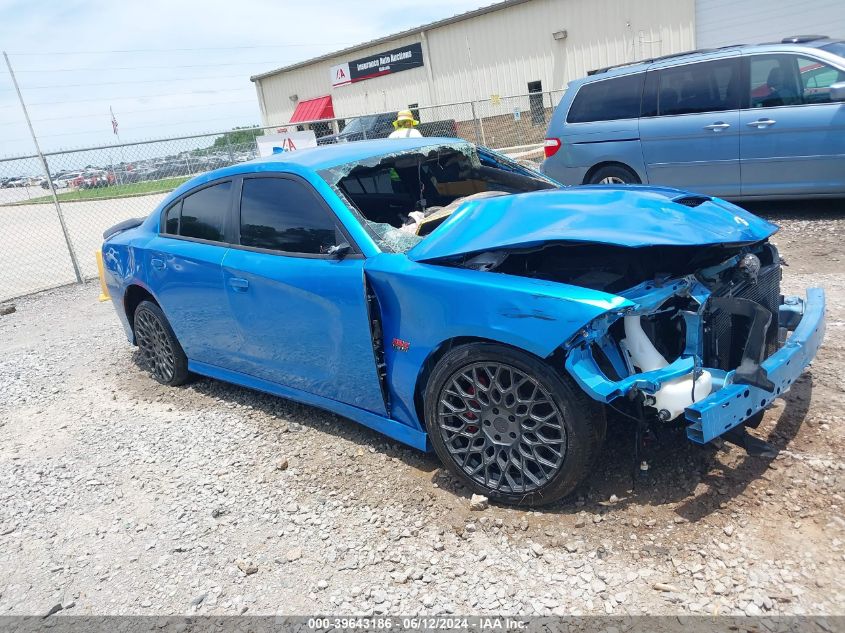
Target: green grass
[(115, 191)]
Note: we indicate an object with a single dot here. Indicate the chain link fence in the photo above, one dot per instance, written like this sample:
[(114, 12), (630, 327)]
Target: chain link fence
[(50, 237)]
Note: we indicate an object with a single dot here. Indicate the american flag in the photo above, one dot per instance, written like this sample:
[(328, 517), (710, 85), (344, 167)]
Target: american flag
[(113, 122)]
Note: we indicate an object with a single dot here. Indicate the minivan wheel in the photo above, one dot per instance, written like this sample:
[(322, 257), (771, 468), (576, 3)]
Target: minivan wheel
[(509, 426), (614, 175)]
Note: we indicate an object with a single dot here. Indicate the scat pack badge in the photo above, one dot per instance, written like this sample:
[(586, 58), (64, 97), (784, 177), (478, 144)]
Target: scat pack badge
[(401, 346)]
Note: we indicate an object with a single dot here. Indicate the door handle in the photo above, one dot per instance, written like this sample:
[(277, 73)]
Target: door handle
[(239, 284), (156, 263), (761, 123), (718, 126)]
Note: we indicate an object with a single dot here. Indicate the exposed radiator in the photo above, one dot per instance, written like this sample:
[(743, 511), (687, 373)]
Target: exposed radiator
[(725, 335)]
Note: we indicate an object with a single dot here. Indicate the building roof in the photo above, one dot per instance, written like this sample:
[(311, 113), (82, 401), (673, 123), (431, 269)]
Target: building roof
[(389, 38)]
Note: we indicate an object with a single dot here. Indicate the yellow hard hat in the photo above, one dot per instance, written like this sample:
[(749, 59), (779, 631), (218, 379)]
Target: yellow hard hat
[(404, 116)]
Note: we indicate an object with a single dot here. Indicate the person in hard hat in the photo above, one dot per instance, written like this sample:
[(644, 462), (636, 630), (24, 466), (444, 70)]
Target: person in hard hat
[(405, 124)]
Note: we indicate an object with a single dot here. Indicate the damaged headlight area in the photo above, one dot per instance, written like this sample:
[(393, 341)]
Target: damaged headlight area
[(710, 347)]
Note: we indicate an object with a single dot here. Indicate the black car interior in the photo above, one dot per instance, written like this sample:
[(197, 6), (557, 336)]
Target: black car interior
[(388, 192)]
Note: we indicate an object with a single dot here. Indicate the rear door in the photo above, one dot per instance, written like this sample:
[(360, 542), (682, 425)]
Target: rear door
[(301, 312), (689, 126), (792, 138), (184, 272)]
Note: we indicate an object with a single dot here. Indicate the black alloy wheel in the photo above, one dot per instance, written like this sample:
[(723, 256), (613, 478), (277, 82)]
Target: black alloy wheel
[(509, 426), (160, 352), (502, 427)]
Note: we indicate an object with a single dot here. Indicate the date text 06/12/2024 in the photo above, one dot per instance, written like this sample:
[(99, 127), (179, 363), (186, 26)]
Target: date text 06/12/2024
[(413, 623)]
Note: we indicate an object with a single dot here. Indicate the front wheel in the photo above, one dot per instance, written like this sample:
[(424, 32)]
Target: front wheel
[(161, 353), (509, 426)]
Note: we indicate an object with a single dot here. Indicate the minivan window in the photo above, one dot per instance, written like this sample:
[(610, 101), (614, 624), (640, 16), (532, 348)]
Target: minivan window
[(816, 79), (773, 81), (204, 212), (701, 87), (786, 80), (283, 215), (607, 100)]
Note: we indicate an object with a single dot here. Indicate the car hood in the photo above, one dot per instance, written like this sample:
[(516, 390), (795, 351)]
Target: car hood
[(633, 216)]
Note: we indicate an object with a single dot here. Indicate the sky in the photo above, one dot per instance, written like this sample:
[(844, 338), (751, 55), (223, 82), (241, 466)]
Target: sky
[(168, 67)]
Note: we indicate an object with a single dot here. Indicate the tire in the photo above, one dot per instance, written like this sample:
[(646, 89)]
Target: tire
[(614, 175), (161, 354), (489, 447)]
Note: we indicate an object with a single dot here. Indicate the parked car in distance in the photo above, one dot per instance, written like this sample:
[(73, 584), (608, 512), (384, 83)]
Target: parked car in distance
[(62, 180), (495, 324), (740, 122), (375, 126), (93, 179)]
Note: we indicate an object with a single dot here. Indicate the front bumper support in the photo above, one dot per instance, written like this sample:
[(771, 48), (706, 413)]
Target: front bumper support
[(733, 403)]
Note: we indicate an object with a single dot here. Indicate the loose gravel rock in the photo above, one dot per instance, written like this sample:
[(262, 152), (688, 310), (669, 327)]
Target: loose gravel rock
[(121, 496), (478, 502)]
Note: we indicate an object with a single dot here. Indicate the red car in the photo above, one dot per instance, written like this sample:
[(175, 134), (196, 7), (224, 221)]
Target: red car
[(93, 179)]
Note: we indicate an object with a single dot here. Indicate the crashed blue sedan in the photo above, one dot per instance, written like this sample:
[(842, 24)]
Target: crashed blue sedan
[(452, 299)]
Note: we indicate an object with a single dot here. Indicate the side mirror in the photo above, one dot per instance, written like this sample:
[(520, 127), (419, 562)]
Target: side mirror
[(837, 91), (339, 251)]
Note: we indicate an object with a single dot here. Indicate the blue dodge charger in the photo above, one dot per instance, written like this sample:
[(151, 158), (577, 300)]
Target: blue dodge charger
[(453, 299)]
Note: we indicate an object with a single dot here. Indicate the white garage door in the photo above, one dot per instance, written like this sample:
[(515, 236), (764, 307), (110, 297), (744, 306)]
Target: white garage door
[(726, 22)]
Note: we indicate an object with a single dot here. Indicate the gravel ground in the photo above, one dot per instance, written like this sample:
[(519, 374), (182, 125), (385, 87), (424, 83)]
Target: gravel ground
[(120, 496)]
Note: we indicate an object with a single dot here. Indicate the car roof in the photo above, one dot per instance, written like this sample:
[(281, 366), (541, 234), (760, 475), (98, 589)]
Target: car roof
[(317, 158), (785, 46), (327, 156)]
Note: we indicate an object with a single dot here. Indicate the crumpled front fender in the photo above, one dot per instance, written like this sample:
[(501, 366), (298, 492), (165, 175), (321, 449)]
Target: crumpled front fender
[(425, 305)]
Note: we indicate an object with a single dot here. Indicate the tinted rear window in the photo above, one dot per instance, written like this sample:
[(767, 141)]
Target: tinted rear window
[(608, 100), (171, 219), (204, 212)]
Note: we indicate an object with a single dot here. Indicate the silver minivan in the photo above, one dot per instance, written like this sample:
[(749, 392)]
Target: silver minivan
[(741, 122)]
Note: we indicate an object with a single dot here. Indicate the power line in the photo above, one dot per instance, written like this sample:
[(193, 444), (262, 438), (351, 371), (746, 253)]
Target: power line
[(171, 50), (137, 127), (123, 112), (134, 81), (111, 68), (135, 97)]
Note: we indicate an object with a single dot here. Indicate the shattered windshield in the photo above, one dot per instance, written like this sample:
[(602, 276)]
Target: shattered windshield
[(401, 197)]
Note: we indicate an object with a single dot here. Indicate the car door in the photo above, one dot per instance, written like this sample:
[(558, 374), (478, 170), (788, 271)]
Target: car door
[(183, 265), (302, 312), (792, 138), (689, 126)]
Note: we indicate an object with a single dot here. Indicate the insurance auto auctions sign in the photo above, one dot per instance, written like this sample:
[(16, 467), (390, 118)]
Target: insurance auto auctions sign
[(385, 63)]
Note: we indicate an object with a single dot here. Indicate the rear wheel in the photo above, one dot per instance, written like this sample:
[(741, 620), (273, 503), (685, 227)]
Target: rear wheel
[(508, 426), (161, 353), (614, 175)]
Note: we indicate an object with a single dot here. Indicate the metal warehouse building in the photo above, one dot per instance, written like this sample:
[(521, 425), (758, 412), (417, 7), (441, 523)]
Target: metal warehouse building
[(517, 47)]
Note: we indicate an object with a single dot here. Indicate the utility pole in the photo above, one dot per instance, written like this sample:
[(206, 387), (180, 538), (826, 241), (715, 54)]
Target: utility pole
[(46, 173)]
